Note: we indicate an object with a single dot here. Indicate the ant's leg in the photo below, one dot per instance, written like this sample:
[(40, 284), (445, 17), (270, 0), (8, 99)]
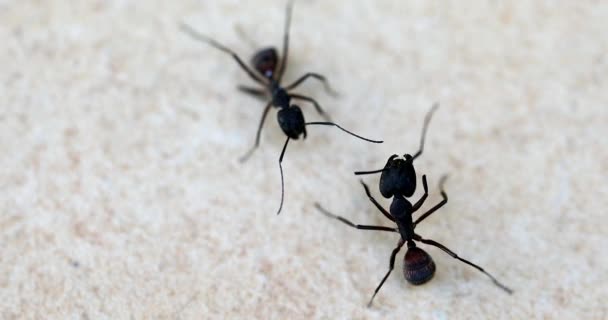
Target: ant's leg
[(257, 135), (317, 76), (258, 93), (455, 256), (390, 269), (315, 103), (357, 226), (196, 35), (245, 37), (437, 206), (285, 52), (418, 204), (369, 195)]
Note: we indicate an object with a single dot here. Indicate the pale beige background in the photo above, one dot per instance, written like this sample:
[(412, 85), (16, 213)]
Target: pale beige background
[(121, 196)]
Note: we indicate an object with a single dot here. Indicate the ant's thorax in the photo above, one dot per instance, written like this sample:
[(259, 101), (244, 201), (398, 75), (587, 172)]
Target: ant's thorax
[(280, 97), (401, 210)]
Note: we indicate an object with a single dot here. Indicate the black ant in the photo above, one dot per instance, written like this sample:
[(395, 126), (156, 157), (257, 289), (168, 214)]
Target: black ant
[(398, 180), (290, 117)]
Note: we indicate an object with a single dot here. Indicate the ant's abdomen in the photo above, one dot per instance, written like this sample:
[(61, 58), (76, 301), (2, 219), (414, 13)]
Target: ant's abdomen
[(418, 267)]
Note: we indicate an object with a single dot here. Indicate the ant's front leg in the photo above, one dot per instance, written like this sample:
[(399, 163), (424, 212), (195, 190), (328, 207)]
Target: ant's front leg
[(317, 76), (378, 206), (437, 206), (314, 102), (424, 196)]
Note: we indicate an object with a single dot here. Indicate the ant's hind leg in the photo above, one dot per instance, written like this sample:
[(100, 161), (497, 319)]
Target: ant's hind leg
[(201, 37), (258, 93), (390, 269), (455, 256), (285, 52)]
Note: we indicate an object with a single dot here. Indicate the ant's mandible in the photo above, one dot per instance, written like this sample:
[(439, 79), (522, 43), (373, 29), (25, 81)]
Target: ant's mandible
[(290, 116), (398, 181)]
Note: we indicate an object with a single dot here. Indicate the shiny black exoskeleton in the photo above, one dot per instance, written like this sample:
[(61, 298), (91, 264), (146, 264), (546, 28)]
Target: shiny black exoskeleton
[(268, 71), (398, 177), (398, 181)]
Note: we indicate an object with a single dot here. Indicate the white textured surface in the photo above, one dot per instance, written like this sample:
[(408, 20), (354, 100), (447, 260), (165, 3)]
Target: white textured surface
[(121, 196)]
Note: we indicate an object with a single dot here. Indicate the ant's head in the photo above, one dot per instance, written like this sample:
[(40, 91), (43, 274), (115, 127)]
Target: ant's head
[(398, 177), (292, 122), (265, 62)]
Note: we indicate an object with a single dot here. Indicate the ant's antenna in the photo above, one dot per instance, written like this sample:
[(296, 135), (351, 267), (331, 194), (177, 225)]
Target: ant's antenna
[(285, 147), (425, 127), (282, 180), (335, 125), (358, 173)]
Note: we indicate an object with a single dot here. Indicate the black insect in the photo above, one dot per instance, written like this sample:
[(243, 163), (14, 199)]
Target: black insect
[(269, 72), (398, 180)]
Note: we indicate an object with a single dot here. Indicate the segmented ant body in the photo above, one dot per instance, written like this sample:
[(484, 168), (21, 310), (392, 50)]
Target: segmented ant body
[(398, 181), (269, 73)]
